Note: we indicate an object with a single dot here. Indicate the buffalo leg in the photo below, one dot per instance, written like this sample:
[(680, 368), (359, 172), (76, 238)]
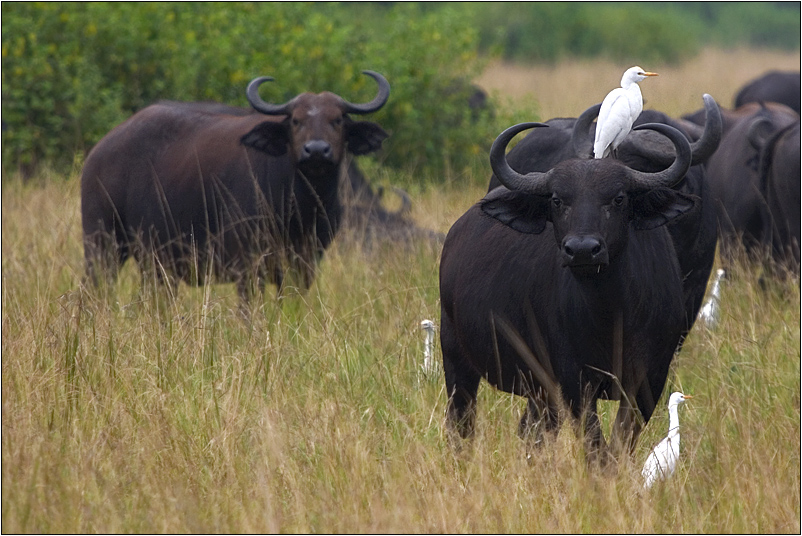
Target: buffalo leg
[(538, 418), (595, 446), (103, 255), (462, 384), (278, 279), (627, 426)]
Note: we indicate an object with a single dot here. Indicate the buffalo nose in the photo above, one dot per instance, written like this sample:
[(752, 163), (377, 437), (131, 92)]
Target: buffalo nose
[(581, 250), (317, 148)]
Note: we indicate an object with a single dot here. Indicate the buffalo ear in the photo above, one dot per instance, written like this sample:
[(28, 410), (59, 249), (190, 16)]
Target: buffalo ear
[(364, 137), (269, 137), (526, 213), (660, 206)]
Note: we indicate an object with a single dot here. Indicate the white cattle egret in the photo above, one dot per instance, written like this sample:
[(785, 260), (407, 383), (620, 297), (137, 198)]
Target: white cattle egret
[(709, 313), (428, 344), (663, 459), (619, 109)]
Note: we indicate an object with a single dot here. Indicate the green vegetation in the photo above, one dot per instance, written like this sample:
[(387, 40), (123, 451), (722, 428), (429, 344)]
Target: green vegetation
[(71, 71), (125, 411), (626, 31)]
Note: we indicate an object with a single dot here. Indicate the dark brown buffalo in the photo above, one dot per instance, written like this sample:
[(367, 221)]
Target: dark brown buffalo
[(199, 190), (735, 177), (780, 179), (578, 264), (370, 223), (774, 86)]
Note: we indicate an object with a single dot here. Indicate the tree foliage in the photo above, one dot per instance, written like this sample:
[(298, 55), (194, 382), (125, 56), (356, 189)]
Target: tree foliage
[(658, 32), (71, 71)]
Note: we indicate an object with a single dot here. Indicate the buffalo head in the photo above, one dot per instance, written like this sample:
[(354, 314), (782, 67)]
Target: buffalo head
[(590, 203), (317, 130)]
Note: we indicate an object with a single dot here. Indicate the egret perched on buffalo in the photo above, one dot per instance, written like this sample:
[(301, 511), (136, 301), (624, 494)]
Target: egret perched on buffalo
[(662, 461), (620, 108)]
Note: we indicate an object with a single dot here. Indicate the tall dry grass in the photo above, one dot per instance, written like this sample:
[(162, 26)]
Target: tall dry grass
[(567, 88), (127, 411)]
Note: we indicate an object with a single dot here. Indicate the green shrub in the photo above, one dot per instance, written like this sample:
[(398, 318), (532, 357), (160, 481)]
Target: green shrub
[(550, 31), (629, 31), (73, 71)]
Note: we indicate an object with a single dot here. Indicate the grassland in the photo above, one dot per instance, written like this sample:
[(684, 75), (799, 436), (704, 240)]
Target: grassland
[(130, 411)]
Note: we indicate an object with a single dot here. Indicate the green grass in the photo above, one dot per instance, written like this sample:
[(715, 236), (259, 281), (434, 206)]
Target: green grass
[(127, 411)]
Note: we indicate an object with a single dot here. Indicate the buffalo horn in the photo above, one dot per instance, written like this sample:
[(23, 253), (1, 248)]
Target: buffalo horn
[(533, 183), (581, 137), (706, 145), (261, 106), (406, 202), (702, 149), (641, 180), (376, 103)]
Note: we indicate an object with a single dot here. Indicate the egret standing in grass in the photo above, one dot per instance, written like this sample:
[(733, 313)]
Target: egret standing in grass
[(619, 109), (663, 459), (428, 343), (709, 313)]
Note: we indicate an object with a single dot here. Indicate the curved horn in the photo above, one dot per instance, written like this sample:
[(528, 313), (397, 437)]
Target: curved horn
[(641, 180), (657, 150), (406, 203), (706, 145), (376, 103), (261, 106), (533, 183), (580, 137)]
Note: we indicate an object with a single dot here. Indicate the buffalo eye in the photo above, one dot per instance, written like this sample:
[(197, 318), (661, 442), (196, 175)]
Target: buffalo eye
[(619, 200), (337, 121), (295, 122), (557, 202)]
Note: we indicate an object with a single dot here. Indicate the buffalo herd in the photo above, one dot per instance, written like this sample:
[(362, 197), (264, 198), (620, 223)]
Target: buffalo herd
[(574, 279)]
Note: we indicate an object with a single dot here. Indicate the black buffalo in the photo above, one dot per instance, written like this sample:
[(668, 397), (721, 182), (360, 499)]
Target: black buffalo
[(774, 86), (208, 190), (695, 235), (780, 178), (578, 263), (734, 173), (370, 223)]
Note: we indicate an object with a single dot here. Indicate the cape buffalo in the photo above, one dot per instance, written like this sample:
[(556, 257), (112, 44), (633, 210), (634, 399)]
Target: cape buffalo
[(694, 235), (370, 223), (734, 174), (578, 263), (208, 190), (779, 172), (774, 86)]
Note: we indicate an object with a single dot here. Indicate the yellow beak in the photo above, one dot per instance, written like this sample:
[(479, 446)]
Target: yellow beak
[(648, 74)]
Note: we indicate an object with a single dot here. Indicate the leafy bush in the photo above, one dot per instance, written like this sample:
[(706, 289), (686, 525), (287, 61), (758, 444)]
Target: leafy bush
[(73, 71), (550, 31), (646, 31)]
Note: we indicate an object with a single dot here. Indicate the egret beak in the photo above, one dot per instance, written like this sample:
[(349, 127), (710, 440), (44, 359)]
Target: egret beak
[(686, 397), (648, 74)]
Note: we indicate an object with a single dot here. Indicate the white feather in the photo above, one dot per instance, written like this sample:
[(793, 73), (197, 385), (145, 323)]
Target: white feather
[(428, 344), (662, 461), (619, 110)]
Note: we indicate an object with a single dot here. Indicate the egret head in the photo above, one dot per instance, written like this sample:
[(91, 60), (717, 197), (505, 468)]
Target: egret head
[(634, 75), (427, 325), (677, 398)]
